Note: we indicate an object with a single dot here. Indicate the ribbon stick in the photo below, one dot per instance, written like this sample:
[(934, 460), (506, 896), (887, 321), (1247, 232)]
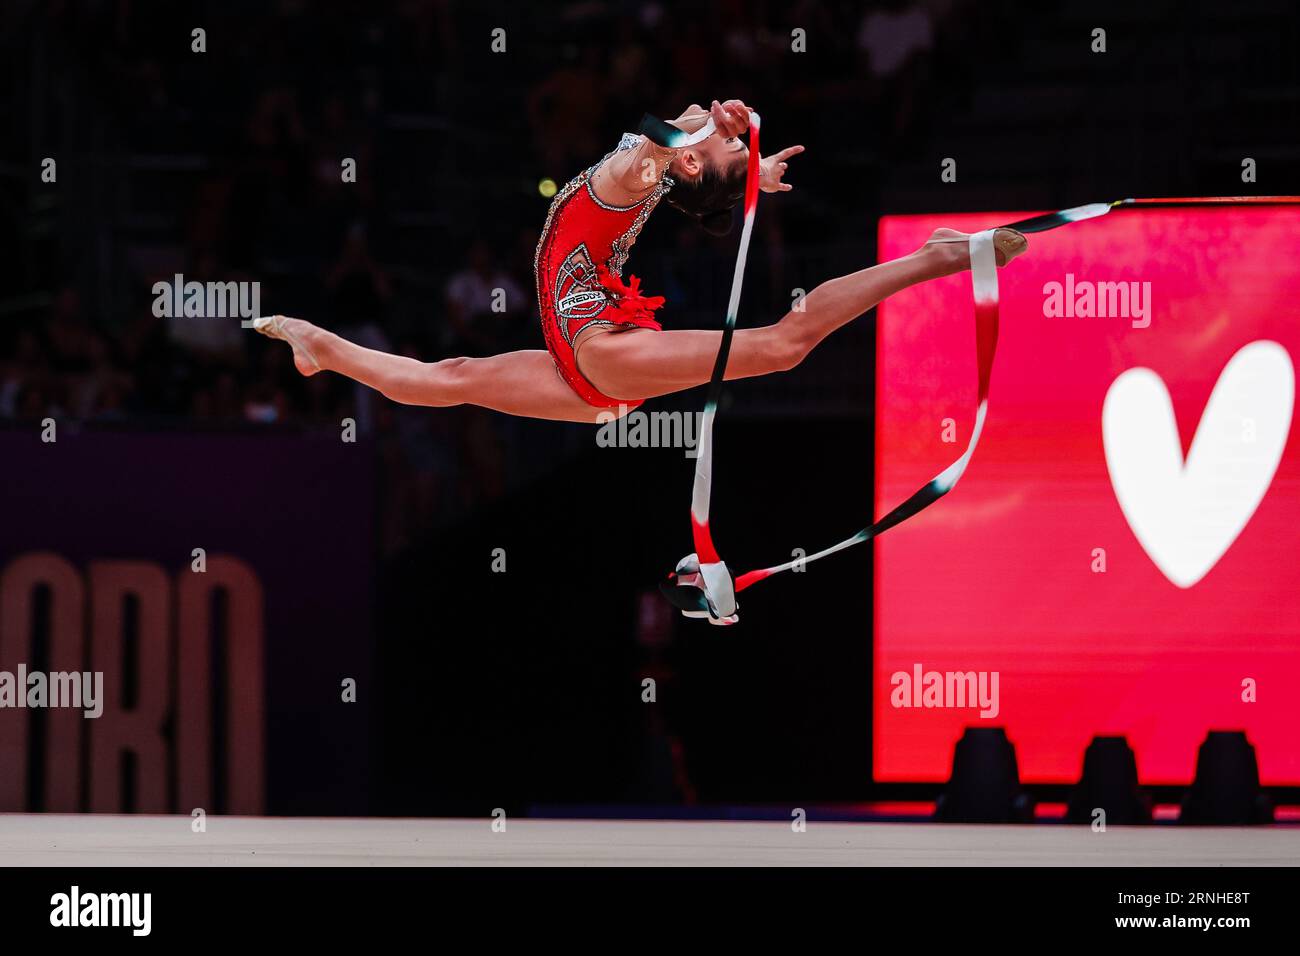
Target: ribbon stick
[(670, 137)]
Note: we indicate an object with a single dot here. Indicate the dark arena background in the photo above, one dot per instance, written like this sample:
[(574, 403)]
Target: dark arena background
[(254, 619)]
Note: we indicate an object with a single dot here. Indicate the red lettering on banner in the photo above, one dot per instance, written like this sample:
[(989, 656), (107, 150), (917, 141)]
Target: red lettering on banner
[(87, 631)]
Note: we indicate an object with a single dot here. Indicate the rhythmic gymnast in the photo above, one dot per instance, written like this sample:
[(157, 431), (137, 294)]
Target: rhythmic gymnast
[(605, 352)]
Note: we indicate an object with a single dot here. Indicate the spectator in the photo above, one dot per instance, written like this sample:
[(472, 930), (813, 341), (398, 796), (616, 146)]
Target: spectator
[(477, 294)]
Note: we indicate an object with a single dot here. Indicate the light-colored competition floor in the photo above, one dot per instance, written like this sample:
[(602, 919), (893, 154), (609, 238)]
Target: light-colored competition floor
[(101, 840)]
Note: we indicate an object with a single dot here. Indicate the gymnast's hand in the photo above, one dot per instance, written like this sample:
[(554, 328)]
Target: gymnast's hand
[(730, 118), (772, 168)]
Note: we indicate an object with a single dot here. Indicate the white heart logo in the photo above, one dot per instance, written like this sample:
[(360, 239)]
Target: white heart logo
[(1186, 515)]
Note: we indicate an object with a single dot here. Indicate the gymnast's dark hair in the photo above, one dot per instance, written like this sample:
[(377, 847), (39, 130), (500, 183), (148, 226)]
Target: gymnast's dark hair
[(710, 197)]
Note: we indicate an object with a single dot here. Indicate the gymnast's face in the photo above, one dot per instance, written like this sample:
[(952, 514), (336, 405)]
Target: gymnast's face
[(727, 156)]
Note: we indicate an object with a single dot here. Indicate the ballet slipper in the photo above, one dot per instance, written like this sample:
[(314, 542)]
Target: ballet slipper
[(1007, 243), (274, 327)]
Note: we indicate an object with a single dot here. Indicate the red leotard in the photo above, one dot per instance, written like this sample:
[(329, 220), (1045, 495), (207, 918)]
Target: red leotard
[(578, 266)]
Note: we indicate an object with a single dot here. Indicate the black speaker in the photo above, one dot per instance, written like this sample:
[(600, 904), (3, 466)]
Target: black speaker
[(1226, 789), (1109, 782), (985, 782)]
